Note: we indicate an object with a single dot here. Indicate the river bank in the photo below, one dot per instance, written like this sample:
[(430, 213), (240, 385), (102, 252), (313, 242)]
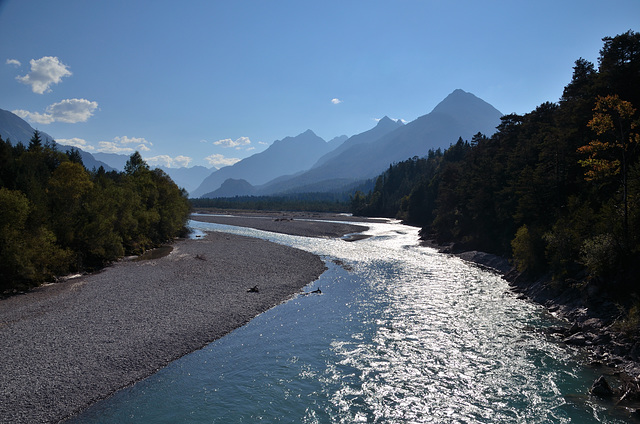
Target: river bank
[(70, 344)]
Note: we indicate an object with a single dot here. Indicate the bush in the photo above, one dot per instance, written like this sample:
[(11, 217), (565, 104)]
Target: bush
[(599, 255), (527, 251)]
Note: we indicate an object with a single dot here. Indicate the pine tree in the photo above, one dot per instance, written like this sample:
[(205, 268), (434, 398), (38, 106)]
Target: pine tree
[(35, 144)]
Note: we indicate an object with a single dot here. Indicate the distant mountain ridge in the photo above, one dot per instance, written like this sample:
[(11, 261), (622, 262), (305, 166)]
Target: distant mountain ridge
[(368, 154), (383, 127), (287, 156)]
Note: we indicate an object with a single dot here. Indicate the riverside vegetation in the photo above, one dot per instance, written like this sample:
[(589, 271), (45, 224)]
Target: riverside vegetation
[(56, 217), (556, 190)]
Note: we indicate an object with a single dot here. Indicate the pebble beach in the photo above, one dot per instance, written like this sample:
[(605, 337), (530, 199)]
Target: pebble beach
[(69, 344)]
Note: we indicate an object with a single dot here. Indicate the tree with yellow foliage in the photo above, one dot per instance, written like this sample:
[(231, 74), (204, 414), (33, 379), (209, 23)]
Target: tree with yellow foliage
[(616, 124)]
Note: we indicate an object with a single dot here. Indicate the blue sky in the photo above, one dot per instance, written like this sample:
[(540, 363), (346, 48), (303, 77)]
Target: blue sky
[(207, 82)]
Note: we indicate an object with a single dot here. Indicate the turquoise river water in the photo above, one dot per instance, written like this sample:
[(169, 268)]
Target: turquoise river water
[(400, 334)]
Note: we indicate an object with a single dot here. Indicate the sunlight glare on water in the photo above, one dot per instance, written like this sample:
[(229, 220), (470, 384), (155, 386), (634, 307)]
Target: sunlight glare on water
[(401, 334)]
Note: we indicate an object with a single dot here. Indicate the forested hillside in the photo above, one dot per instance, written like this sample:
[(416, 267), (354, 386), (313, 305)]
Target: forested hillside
[(56, 217), (556, 189)]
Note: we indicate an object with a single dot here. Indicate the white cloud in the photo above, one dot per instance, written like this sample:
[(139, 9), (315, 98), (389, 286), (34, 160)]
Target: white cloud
[(125, 145), (39, 118), (113, 147), (131, 140), (238, 143), (120, 145), (13, 62), (70, 111), (169, 162), (76, 142), (219, 160), (336, 101), (45, 71), (142, 144), (182, 161)]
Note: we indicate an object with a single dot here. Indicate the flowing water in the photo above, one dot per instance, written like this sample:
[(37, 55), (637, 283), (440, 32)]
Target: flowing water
[(399, 334)]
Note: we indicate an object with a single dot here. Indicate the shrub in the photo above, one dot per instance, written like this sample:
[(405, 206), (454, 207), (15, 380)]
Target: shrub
[(527, 251), (599, 255)]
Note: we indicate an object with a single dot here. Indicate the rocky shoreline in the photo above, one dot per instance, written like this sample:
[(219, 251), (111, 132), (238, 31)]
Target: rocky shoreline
[(592, 324)]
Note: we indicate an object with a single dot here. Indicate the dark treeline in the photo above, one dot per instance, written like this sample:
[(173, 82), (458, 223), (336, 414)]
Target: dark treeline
[(56, 217), (556, 189), (304, 202)]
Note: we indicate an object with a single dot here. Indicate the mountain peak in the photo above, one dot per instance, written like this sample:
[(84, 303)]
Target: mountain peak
[(460, 101), (388, 123)]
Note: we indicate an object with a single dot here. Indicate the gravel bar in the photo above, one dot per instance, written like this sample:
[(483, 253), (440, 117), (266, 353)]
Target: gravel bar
[(286, 224), (70, 344)]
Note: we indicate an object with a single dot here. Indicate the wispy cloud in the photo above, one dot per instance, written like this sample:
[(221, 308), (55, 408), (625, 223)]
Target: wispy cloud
[(238, 143), (45, 71), (336, 101), (70, 111), (76, 142), (38, 118), (13, 62), (219, 160), (142, 143), (125, 144), (113, 147), (119, 145), (169, 162)]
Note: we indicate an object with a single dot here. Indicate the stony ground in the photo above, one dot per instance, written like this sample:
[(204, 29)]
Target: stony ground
[(67, 345)]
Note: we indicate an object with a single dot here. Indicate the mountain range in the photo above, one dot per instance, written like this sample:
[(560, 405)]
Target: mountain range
[(306, 162), (287, 156), (366, 155)]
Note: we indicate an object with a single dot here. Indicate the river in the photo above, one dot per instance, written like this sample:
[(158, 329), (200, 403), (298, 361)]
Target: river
[(399, 334)]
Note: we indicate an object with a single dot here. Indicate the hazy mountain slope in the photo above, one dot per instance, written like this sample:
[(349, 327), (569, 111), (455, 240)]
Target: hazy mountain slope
[(114, 160), (335, 142), (286, 156), (187, 178), (460, 114), (232, 187), (318, 180), (384, 126)]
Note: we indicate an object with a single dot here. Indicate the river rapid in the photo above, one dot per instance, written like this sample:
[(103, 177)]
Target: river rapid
[(399, 334)]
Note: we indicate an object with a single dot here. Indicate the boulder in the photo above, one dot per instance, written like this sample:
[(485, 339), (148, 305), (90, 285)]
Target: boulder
[(601, 388), (578, 339)]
